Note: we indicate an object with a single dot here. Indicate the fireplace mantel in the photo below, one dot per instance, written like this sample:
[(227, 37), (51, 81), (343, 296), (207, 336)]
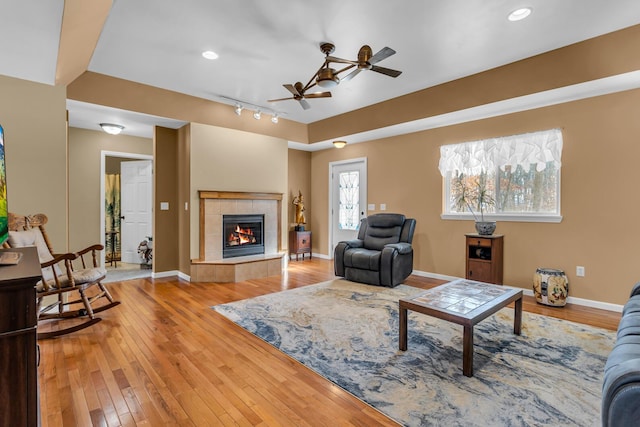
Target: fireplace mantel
[(237, 195), (210, 266)]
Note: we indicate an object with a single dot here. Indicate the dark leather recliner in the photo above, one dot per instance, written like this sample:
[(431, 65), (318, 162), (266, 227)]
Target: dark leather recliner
[(381, 255)]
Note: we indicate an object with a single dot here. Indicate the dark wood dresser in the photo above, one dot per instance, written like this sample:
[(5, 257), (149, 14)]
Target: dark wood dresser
[(18, 347)]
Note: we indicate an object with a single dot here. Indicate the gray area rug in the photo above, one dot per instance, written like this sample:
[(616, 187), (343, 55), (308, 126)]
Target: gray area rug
[(348, 333)]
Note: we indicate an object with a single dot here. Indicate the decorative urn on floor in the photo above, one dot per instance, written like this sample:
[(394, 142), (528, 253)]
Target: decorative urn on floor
[(550, 287)]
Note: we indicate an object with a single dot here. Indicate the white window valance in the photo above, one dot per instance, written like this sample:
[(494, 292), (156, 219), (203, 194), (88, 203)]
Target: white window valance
[(473, 157)]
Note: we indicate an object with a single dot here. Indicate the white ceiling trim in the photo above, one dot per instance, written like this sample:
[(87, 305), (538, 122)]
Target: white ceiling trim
[(604, 86)]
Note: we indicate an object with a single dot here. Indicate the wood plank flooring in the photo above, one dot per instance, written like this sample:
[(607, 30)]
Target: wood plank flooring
[(164, 358)]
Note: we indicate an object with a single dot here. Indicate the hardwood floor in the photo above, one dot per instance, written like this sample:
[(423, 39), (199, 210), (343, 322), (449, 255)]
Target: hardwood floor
[(163, 357)]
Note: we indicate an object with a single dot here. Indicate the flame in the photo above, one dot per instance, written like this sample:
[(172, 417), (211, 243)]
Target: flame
[(241, 236)]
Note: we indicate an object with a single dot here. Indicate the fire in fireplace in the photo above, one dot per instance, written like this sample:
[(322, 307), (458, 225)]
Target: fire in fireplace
[(242, 235)]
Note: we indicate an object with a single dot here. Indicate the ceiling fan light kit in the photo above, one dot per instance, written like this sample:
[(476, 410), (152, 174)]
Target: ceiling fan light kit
[(327, 77)]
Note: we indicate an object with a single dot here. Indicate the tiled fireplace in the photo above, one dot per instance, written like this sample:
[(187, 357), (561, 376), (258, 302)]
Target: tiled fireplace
[(238, 264)]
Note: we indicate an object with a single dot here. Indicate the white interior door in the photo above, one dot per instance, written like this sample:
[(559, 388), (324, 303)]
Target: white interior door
[(136, 206), (348, 205)]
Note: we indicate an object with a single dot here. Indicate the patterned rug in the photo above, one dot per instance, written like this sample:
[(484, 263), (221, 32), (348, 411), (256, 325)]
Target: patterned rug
[(348, 333)]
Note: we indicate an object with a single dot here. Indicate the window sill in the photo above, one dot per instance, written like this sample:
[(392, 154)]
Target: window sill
[(505, 217)]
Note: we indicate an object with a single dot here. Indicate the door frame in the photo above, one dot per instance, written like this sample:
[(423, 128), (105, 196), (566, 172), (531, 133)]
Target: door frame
[(103, 157), (364, 202)]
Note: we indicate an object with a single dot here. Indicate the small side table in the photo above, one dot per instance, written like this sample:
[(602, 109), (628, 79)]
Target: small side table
[(111, 235), (299, 243)]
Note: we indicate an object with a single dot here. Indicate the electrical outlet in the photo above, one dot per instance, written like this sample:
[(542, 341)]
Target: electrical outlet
[(580, 271)]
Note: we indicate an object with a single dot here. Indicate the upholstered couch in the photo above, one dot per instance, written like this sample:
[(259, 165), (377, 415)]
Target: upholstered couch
[(381, 255), (621, 387)]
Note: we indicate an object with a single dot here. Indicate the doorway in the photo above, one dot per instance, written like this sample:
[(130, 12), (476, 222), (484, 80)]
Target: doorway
[(123, 235), (347, 199)]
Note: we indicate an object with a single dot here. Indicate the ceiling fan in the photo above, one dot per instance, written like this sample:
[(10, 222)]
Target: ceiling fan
[(299, 94), (366, 60), (327, 77)]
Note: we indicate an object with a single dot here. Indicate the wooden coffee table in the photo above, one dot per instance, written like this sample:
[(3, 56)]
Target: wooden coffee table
[(466, 303)]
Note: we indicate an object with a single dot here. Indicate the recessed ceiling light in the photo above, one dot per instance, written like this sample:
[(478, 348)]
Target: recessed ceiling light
[(520, 14), (209, 54)]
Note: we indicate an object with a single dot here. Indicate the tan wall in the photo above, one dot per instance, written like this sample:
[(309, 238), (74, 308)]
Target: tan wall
[(165, 179), (598, 190), (85, 147), (34, 116), (604, 56), (299, 180), (184, 182), (230, 160)]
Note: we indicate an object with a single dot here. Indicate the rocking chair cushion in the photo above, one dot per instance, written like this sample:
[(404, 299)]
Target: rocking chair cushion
[(33, 237), (80, 277)]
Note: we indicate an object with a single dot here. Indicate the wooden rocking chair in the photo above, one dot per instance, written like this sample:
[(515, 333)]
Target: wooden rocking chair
[(60, 277)]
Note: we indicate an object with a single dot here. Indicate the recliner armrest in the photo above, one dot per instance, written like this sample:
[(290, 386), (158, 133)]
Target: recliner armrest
[(338, 254), (402, 248), (355, 243)]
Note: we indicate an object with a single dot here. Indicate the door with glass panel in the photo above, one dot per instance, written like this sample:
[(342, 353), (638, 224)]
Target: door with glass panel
[(348, 195)]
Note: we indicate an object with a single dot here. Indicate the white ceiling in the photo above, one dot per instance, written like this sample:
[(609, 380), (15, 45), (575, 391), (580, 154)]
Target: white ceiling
[(265, 44)]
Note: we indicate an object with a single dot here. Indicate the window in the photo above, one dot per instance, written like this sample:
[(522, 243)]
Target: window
[(520, 173), (349, 208)]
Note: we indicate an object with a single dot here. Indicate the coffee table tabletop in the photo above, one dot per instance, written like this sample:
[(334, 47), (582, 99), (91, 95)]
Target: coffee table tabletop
[(465, 302)]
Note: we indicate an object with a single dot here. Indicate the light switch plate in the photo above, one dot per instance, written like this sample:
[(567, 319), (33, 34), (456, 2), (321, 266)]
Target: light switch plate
[(383, 206), (164, 206)]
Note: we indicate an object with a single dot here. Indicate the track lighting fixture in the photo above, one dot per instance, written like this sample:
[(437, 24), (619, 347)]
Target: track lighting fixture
[(240, 106)]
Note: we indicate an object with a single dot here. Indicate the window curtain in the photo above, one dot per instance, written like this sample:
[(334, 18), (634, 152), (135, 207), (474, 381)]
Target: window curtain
[(112, 216), (472, 158)]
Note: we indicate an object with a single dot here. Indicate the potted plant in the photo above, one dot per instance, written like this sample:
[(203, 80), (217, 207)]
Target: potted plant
[(472, 192)]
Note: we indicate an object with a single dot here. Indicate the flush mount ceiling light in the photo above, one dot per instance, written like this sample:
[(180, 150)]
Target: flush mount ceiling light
[(209, 54), (257, 115), (111, 128), (520, 14), (238, 109), (339, 144)]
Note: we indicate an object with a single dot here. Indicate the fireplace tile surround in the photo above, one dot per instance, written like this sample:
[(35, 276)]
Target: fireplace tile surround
[(211, 266)]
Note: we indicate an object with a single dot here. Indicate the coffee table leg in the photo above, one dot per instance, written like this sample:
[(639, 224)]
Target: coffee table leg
[(467, 351), (517, 319), (402, 340)]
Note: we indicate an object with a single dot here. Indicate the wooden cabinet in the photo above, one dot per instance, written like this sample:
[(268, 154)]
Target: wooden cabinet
[(484, 258), (18, 347), (299, 243)]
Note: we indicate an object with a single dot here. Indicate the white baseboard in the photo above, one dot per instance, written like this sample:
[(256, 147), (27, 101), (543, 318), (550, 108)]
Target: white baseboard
[(164, 274), (529, 292)]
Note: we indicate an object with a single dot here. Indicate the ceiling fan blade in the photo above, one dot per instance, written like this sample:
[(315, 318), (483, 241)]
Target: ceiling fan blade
[(384, 53), (319, 95), (350, 75), (340, 60), (304, 104), (279, 99), (387, 71), (292, 89)]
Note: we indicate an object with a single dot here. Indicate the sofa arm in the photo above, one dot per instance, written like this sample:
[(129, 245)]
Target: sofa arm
[(635, 290), (621, 394), (338, 254)]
